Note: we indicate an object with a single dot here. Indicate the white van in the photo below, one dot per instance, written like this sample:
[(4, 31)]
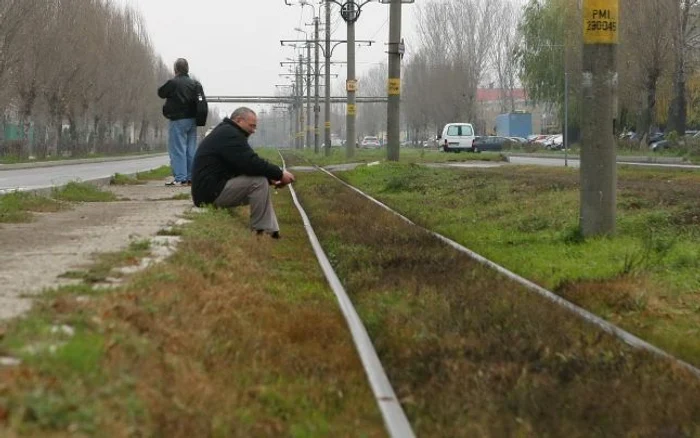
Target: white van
[(457, 137)]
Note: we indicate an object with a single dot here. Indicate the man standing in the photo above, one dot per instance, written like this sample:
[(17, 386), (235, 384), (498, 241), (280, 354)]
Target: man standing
[(180, 108), (228, 173)]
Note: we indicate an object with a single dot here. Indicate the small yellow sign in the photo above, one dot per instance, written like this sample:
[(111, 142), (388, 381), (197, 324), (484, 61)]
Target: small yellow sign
[(351, 85), (328, 125), (394, 86), (601, 21), (352, 110)]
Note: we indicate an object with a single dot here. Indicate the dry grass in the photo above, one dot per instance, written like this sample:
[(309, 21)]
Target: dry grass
[(473, 354), (236, 336)]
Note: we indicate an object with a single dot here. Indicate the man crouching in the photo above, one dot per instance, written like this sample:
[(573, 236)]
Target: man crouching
[(228, 173)]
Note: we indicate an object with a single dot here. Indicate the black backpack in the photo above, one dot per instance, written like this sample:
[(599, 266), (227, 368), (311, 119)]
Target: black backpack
[(202, 108)]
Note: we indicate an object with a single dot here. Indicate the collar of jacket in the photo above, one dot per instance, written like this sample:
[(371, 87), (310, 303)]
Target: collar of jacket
[(235, 125)]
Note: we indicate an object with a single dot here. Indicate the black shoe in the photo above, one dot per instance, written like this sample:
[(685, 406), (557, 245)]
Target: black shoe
[(274, 234)]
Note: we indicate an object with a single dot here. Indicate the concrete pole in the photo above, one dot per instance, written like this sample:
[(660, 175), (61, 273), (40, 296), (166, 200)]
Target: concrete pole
[(307, 126), (317, 107), (291, 126), (394, 83), (598, 167), (351, 85), (327, 128), (300, 103)]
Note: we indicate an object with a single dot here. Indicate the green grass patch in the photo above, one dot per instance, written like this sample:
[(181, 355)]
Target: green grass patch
[(125, 180), (106, 262), (82, 192), (17, 207), (155, 174), (469, 352), (526, 219), (407, 155)]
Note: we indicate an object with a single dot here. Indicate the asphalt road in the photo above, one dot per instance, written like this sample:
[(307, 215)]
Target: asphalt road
[(35, 177), (575, 162)]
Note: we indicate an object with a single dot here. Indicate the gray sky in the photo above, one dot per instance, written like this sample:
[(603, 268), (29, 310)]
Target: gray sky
[(233, 46)]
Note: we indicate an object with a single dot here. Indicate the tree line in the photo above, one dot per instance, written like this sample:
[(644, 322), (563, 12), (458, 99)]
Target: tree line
[(79, 77), (464, 45)]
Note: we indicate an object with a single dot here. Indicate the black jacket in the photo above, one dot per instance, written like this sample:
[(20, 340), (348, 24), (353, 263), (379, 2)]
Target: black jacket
[(222, 155), (179, 93)]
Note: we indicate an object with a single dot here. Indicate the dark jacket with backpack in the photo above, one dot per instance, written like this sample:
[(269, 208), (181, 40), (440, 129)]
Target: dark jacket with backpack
[(180, 93), (222, 155)]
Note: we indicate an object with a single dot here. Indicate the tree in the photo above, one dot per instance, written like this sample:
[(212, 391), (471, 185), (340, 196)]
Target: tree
[(685, 37)]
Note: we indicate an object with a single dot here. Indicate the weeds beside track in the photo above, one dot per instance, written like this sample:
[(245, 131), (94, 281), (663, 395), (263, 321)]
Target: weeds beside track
[(473, 353)]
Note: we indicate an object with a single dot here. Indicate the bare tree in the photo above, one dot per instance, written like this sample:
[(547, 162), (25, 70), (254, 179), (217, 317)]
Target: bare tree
[(503, 60), (646, 52), (685, 36)]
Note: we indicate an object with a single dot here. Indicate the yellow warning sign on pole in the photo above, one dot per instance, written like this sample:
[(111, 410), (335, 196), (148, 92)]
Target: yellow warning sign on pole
[(328, 125), (352, 110), (351, 85), (601, 19), (394, 87)]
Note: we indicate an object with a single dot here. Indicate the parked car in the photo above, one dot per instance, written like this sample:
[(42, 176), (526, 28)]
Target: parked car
[(489, 143), (659, 145), (518, 140), (370, 142), (457, 137)]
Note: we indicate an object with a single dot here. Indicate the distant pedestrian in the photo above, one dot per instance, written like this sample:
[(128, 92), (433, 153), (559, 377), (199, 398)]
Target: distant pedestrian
[(228, 173), (180, 108)]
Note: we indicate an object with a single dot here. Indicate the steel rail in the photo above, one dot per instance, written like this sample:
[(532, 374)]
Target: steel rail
[(604, 325), (395, 419)]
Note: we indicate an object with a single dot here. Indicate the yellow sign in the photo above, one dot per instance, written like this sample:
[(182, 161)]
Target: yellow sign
[(601, 21), (394, 86), (328, 125), (352, 110), (351, 85)]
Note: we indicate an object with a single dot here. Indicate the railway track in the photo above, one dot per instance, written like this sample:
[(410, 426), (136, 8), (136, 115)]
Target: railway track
[(512, 317)]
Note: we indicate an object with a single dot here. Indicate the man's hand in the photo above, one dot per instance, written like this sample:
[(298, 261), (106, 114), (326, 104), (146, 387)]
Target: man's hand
[(287, 178)]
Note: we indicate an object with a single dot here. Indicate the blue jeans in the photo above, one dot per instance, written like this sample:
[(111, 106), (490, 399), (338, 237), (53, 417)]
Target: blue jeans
[(182, 144)]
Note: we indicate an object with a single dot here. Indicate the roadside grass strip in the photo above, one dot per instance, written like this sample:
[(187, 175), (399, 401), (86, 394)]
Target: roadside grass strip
[(17, 207), (82, 192), (580, 312), (119, 179), (338, 156), (157, 174), (645, 279), (235, 335), (472, 353)]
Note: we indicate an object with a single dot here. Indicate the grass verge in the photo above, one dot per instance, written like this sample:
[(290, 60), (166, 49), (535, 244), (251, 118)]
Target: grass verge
[(645, 278), (408, 155), (82, 192), (234, 336), (471, 353), (17, 207)]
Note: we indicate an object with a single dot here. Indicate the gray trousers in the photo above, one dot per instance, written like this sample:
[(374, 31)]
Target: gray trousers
[(254, 191)]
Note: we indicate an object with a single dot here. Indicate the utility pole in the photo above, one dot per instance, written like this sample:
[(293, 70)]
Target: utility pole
[(598, 156), (396, 50), (351, 84), (317, 106), (307, 126), (299, 104), (327, 53)]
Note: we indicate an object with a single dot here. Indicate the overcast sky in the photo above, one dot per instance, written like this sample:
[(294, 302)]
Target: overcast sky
[(233, 46)]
